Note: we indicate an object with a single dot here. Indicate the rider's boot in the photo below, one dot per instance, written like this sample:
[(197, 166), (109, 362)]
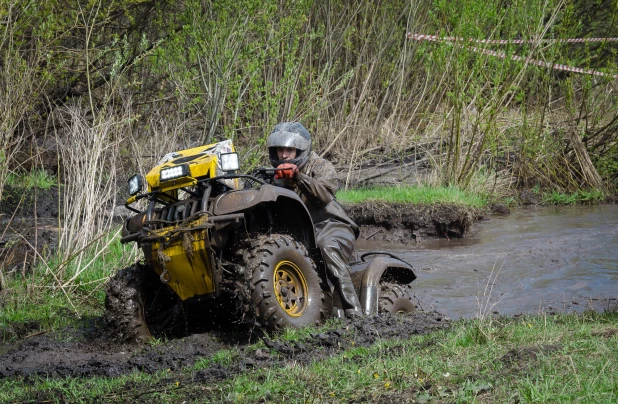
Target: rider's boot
[(349, 298)]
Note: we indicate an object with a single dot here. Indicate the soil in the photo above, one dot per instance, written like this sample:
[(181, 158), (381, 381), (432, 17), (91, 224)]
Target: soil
[(22, 202), (405, 224), (97, 355), (94, 351)]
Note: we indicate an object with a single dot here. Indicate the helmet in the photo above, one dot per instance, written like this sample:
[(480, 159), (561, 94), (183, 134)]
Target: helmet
[(290, 134)]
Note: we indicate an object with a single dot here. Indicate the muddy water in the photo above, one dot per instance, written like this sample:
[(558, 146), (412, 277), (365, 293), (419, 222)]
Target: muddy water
[(533, 260)]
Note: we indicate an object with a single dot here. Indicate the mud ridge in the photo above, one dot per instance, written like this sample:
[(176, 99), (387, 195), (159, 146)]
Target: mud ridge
[(97, 356), (406, 223)]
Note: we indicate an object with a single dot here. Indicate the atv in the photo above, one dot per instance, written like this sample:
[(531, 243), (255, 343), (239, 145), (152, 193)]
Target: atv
[(228, 244)]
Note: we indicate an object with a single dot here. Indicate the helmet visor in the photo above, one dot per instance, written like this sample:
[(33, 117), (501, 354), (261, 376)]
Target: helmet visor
[(288, 139)]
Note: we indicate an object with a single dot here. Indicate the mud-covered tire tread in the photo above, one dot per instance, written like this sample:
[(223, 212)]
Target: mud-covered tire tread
[(124, 309), (397, 298), (134, 302), (261, 259)]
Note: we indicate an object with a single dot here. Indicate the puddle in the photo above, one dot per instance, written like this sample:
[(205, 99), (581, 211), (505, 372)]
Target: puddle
[(535, 259)]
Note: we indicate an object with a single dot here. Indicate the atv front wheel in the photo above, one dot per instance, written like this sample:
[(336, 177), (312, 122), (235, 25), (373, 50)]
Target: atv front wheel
[(396, 299), (287, 290), (124, 305), (138, 306)]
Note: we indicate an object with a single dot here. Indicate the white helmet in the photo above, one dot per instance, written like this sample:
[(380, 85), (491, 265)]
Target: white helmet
[(289, 134)]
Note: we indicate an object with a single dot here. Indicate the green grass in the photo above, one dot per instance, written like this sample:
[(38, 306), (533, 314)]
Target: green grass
[(34, 179), (414, 195), (428, 195), (533, 359), (36, 297), (560, 359), (579, 197)]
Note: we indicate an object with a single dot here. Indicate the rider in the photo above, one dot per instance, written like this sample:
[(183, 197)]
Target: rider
[(314, 180)]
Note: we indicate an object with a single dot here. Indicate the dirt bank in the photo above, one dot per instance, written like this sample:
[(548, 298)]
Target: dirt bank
[(404, 223), (29, 202), (96, 355)]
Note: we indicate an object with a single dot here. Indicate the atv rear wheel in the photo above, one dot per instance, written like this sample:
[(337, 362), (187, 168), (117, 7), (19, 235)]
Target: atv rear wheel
[(287, 290), (396, 299)]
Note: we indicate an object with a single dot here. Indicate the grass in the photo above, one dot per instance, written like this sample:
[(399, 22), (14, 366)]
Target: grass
[(429, 195), (562, 359), (57, 293), (37, 178), (423, 194), (579, 197), (531, 359)]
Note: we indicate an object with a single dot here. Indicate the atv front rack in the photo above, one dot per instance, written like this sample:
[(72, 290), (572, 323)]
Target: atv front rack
[(176, 212), (164, 198)]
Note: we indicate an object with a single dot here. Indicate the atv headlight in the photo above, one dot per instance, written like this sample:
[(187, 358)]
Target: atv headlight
[(229, 162), (174, 172), (136, 184)]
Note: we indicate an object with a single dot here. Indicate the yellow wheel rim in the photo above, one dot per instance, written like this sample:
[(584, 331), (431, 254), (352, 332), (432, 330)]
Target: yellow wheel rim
[(290, 288)]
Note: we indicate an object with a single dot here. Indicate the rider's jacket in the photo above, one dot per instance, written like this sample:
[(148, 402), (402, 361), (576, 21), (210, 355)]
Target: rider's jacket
[(316, 184)]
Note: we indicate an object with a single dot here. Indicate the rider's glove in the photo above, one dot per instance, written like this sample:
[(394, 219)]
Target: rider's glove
[(286, 170)]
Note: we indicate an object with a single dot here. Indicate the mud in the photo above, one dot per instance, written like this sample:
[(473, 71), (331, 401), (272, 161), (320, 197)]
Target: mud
[(535, 260), (407, 224), (410, 170), (90, 351), (28, 221), (20, 202), (97, 355), (18, 239)]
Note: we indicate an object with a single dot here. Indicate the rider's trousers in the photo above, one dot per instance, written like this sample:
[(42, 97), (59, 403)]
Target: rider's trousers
[(336, 241)]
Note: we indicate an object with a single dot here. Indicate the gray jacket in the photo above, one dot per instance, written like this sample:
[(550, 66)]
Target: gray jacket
[(317, 185)]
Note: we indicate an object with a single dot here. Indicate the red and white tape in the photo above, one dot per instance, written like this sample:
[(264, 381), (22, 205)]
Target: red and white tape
[(435, 38), (502, 55)]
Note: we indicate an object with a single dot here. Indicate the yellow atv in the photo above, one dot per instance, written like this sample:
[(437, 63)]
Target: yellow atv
[(215, 240)]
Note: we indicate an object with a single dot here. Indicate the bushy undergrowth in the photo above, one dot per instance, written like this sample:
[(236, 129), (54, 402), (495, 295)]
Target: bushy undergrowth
[(578, 197), (167, 76), (37, 178)]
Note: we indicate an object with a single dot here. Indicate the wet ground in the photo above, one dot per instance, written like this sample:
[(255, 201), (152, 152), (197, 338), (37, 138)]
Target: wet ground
[(96, 355), (535, 259), (532, 260)]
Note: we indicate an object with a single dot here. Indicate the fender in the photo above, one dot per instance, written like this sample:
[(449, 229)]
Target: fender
[(244, 199), (247, 199), (366, 277)]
